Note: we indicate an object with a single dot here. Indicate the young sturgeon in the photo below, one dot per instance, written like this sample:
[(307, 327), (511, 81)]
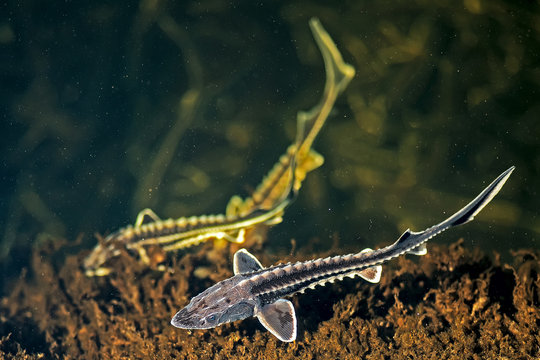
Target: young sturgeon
[(265, 206), (338, 75), (258, 291)]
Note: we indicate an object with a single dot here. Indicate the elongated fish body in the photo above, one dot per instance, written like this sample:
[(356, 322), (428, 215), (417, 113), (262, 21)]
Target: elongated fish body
[(258, 291), (264, 207), (309, 123), (174, 234)]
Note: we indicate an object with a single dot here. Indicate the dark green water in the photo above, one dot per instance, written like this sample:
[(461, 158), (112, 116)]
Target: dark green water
[(109, 108)]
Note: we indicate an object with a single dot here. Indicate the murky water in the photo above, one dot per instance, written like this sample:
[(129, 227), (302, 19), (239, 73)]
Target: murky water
[(109, 109)]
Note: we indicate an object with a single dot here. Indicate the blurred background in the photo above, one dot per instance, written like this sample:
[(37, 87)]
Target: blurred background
[(111, 107)]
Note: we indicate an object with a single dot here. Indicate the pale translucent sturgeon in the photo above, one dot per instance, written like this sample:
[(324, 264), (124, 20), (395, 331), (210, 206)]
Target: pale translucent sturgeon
[(309, 123), (267, 204), (174, 234)]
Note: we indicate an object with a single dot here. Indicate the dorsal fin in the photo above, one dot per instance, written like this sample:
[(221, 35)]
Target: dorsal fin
[(244, 262), (405, 240)]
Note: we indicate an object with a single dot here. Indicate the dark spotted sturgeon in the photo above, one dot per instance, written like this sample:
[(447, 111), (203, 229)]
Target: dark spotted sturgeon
[(258, 291)]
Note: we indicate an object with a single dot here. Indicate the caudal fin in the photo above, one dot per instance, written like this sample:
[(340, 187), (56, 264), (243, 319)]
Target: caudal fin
[(414, 242)]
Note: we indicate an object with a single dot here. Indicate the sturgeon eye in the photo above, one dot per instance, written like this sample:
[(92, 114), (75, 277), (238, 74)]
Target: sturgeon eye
[(211, 318)]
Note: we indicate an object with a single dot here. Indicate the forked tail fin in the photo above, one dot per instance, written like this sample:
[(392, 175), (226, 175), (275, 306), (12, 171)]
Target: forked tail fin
[(275, 185), (338, 76), (414, 242)]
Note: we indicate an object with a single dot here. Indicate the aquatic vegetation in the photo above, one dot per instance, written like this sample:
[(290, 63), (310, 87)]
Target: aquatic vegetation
[(419, 308), (109, 108)]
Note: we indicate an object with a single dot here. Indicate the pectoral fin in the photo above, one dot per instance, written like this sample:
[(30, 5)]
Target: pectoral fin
[(146, 216), (306, 164), (244, 262), (279, 318), (234, 207)]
